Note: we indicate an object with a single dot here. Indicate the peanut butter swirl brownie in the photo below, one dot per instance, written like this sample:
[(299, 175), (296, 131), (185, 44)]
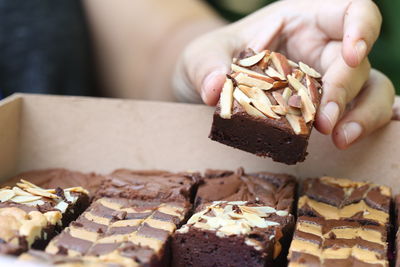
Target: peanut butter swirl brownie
[(131, 221), (321, 242), (342, 222), (267, 106), (30, 215), (336, 198), (235, 233), (123, 232)]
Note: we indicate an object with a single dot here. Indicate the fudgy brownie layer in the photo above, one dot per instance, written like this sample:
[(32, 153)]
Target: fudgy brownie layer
[(274, 190), (152, 185), (204, 248), (234, 233), (267, 139)]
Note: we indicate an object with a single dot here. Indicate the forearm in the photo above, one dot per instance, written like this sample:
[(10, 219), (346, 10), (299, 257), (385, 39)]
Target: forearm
[(137, 42)]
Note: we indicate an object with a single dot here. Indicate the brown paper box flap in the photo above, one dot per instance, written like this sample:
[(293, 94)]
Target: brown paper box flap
[(96, 134)]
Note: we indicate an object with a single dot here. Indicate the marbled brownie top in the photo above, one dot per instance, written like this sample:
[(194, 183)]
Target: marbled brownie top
[(321, 242), (121, 231), (335, 198), (274, 190), (144, 185)]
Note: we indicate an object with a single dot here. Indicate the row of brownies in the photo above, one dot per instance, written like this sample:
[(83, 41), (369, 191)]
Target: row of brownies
[(221, 218)]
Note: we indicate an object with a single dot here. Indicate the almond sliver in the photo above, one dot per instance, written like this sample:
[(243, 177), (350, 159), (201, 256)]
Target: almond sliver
[(253, 82), (226, 99), (252, 60)]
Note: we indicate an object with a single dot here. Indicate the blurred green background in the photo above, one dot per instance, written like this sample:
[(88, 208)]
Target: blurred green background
[(385, 55)]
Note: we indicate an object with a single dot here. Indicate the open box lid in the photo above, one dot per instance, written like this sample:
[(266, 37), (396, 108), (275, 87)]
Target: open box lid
[(96, 134)]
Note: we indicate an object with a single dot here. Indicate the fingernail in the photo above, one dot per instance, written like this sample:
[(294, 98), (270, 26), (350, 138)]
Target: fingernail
[(361, 50), (352, 130), (207, 83), (331, 112)]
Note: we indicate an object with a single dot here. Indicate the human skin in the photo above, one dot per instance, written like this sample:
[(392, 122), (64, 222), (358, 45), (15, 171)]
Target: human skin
[(139, 43)]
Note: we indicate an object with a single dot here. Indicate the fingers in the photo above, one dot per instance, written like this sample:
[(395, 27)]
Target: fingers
[(371, 110), (204, 66), (341, 85), (356, 23), (362, 24)]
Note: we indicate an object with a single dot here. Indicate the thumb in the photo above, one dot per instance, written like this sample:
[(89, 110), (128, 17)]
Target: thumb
[(204, 65)]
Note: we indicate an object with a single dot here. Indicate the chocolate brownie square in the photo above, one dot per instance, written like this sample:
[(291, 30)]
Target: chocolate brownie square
[(274, 190), (342, 222), (338, 198), (334, 242), (152, 185), (121, 232), (235, 233), (267, 106), (30, 215)]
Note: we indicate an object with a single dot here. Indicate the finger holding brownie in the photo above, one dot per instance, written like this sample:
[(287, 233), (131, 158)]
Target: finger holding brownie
[(332, 36)]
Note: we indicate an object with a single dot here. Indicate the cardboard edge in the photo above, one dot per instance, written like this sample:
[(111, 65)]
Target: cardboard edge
[(10, 121)]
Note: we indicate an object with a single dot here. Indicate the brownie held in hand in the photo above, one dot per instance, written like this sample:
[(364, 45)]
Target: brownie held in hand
[(30, 215), (267, 106), (236, 233)]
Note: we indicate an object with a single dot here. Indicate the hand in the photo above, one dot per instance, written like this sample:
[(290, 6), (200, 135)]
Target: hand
[(333, 36)]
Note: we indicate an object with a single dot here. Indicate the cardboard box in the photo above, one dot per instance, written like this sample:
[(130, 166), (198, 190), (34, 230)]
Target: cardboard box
[(95, 134)]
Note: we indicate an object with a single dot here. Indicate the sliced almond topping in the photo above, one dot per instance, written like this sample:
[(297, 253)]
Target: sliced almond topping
[(6, 194), (296, 84), (287, 92), (251, 73), (297, 123), (279, 84), (41, 192), (260, 100), (252, 82), (271, 72), (293, 64), (25, 199), (281, 101), (241, 98), (263, 78), (298, 74), (263, 64), (19, 192), (281, 63), (308, 70), (312, 89), (250, 61), (279, 110), (307, 107), (294, 111), (29, 184), (226, 99), (77, 189), (295, 101)]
